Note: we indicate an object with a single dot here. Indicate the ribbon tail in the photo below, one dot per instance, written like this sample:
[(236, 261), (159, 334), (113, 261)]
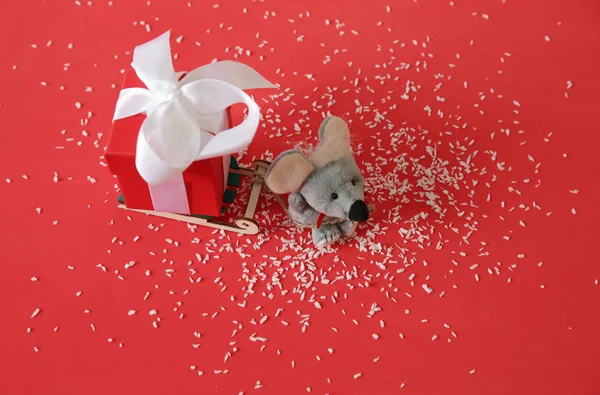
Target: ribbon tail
[(234, 73)]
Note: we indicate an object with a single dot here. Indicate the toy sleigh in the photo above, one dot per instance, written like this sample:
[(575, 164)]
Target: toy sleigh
[(172, 139), (244, 225)]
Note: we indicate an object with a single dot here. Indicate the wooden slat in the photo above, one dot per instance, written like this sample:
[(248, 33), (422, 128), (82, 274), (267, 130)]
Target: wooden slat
[(259, 172), (244, 225)]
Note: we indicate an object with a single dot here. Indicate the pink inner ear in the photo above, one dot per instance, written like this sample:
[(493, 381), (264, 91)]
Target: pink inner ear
[(335, 144), (287, 173)]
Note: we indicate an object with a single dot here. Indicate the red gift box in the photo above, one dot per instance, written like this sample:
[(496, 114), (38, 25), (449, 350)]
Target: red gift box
[(204, 180)]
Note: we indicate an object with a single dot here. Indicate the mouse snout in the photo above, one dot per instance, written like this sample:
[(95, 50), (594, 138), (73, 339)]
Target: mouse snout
[(359, 211)]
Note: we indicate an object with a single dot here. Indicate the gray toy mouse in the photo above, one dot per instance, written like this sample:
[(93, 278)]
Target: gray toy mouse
[(326, 187)]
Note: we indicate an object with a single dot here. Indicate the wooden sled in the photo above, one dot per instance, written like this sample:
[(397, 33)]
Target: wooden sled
[(244, 225)]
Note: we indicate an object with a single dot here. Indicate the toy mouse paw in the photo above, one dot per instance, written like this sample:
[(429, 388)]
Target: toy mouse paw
[(347, 228), (325, 235)]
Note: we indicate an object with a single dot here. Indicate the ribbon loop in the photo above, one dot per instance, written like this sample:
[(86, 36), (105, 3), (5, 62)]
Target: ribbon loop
[(153, 65)]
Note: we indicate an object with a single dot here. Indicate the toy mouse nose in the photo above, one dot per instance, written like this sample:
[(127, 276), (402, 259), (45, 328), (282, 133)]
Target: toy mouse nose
[(359, 211)]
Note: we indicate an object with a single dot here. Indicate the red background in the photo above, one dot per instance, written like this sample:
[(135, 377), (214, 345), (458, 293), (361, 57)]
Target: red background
[(518, 337)]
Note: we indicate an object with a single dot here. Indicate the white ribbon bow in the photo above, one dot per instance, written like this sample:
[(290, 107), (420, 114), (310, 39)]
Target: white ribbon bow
[(182, 113)]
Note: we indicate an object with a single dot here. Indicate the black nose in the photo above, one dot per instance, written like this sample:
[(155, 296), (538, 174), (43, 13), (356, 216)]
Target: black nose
[(359, 211)]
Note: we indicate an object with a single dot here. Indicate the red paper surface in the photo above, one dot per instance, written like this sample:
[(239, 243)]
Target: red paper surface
[(203, 179), (528, 184)]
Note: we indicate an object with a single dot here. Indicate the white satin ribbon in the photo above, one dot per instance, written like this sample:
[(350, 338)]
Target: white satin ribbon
[(181, 114)]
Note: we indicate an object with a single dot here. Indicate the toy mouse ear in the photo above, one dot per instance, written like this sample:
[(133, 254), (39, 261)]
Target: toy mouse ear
[(334, 129), (288, 172), (334, 137)]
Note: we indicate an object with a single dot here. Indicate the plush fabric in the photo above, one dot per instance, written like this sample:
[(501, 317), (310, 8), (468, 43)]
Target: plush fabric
[(327, 182)]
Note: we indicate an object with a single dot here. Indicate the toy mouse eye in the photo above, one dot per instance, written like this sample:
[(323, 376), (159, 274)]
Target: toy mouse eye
[(334, 196), (354, 182)]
